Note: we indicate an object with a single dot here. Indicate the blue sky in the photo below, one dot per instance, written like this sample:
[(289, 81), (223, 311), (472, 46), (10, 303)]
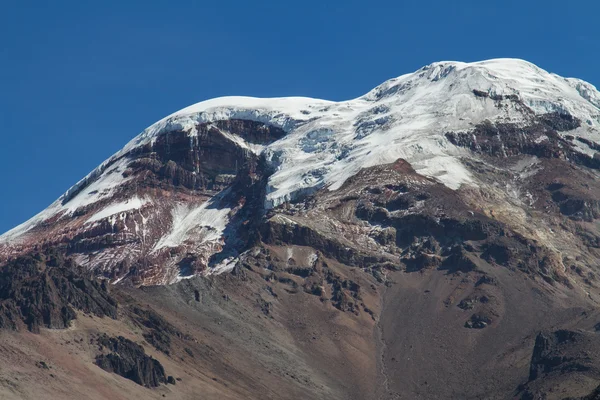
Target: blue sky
[(79, 79)]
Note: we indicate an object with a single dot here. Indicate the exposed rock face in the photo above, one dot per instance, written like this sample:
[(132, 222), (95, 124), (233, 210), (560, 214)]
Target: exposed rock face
[(564, 362), (129, 360), (548, 354), (44, 290), (174, 180), (159, 331), (539, 138), (208, 161)]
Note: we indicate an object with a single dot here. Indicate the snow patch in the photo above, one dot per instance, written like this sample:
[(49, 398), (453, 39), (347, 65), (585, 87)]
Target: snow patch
[(135, 203), (101, 188), (254, 148), (224, 266), (205, 223)]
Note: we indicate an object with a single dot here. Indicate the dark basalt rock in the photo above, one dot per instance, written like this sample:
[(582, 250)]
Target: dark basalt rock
[(446, 231), (589, 210), (252, 131), (458, 260), (549, 355), (468, 303), (441, 214), (399, 203), (560, 122), (159, 331), (421, 261), (160, 340), (563, 361), (369, 212), (265, 306), (319, 280), (422, 254), (540, 138), (486, 280), (247, 192), (495, 97), (129, 360), (345, 294), (206, 161), (575, 202), (276, 233), (505, 139), (478, 321), (518, 253), (44, 290), (591, 144)]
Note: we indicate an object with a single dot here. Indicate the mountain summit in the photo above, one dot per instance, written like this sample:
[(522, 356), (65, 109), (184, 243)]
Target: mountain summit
[(182, 185)]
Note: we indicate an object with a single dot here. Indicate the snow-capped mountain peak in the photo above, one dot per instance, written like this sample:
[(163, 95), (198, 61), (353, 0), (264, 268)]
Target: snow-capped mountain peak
[(164, 176)]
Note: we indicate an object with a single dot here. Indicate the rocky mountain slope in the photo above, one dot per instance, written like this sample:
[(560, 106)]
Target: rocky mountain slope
[(434, 238)]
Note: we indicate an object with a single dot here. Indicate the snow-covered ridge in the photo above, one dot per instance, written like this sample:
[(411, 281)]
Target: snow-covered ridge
[(285, 113), (405, 117)]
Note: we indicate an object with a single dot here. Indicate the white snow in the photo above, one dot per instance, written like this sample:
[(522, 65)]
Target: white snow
[(100, 188), (101, 184), (224, 266), (285, 112), (254, 148), (15, 234), (407, 117), (119, 279), (135, 203), (205, 223)]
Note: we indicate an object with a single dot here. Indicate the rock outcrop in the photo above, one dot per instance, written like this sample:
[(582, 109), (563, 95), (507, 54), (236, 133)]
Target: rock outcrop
[(129, 360), (45, 289)]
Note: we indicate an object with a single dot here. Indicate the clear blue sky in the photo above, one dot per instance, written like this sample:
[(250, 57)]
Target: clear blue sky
[(81, 78)]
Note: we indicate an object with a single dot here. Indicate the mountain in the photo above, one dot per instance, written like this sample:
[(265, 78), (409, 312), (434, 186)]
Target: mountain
[(435, 238)]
